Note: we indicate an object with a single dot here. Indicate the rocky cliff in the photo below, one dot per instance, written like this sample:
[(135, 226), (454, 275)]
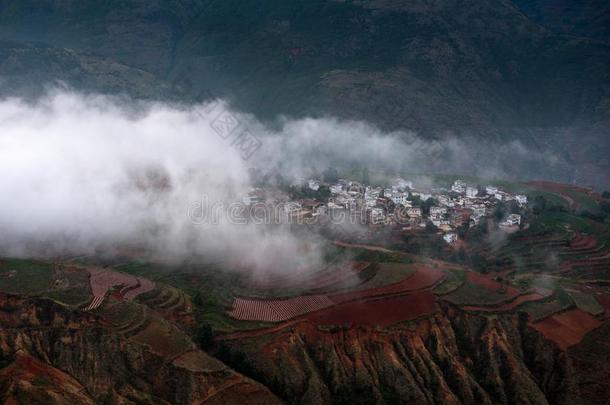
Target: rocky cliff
[(65, 356), (449, 358)]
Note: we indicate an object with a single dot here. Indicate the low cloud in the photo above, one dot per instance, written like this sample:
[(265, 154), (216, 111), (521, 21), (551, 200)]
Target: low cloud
[(86, 172)]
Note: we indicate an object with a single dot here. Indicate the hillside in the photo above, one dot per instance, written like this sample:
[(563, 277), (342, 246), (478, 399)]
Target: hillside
[(488, 70), (389, 317)]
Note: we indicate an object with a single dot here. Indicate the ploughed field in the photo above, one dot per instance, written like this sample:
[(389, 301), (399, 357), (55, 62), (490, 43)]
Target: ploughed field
[(560, 299)]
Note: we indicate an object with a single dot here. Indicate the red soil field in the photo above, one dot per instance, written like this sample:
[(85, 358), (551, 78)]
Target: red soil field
[(144, 285), (380, 311), (568, 328), (307, 280), (102, 280), (485, 281), (284, 309), (277, 310), (539, 294), (583, 242), (592, 260), (424, 277)]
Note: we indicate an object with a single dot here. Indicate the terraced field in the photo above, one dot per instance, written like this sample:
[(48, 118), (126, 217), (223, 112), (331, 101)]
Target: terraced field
[(479, 290), (392, 281), (567, 328)]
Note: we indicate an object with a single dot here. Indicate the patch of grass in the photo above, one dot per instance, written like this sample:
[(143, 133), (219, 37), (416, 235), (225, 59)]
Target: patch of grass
[(586, 302), (539, 310), (454, 280), (73, 297), (375, 256), (472, 294), (388, 273), (163, 338), (561, 222), (21, 276), (584, 200)]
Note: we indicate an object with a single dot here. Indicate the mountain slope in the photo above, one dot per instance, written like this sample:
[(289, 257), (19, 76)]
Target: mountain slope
[(451, 357), (587, 18), (49, 351), (483, 69)]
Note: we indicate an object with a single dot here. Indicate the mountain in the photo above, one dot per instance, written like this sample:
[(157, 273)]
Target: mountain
[(498, 70), (584, 18), (50, 354)]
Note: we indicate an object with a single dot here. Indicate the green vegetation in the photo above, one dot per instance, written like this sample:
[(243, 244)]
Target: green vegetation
[(25, 276), (73, 297), (586, 202), (454, 280), (557, 222), (472, 294), (586, 302), (375, 256), (539, 310), (387, 273)]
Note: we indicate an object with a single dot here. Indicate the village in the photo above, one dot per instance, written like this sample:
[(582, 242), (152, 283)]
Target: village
[(400, 205)]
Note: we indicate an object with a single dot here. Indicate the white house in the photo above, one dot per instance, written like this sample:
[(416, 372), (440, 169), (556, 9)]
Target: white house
[(521, 199), (491, 190), (372, 192), (414, 212), (400, 198), (512, 220), (376, 215), (471, 192), (439, 222), (314, 185), (438, 211), (336, 188), (450, 238), (459, 186), (446, 200)]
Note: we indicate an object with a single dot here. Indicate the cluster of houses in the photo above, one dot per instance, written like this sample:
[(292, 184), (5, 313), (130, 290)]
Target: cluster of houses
[(405, 206)]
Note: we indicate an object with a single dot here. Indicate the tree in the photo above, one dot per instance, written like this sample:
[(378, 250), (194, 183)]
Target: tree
[(330, 175), (462, 230), (204, 336), (539, 205), (430, 227), (461, 255)]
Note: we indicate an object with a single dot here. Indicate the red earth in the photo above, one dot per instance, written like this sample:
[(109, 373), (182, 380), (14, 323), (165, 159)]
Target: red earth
[(485, 281), (306, 278), (275, 310), (583, 242), (424, 277), (377, 311), (567, 328), (540, 293)]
